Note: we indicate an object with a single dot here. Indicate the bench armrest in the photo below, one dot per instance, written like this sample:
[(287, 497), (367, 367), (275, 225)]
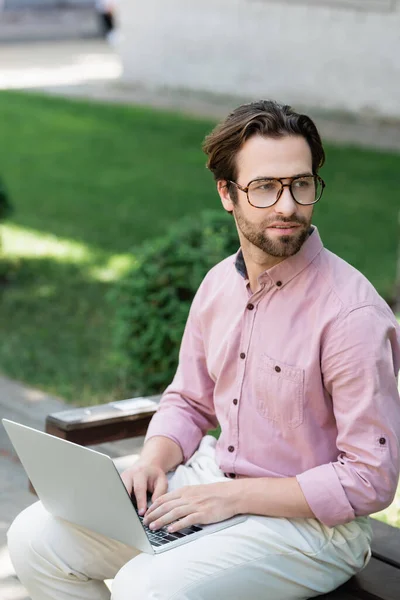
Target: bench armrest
[(105, 422)]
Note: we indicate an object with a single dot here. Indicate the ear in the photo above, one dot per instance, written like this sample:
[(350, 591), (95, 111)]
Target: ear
[(224, 195)]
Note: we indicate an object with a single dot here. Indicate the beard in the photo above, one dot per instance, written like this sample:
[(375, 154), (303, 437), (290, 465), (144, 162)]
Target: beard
[(281, 247)]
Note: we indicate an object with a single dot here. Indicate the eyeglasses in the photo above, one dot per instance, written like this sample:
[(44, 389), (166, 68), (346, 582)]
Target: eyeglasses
[(262, 193)]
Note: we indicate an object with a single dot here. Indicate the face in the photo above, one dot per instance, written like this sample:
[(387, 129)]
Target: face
[(261, 228)]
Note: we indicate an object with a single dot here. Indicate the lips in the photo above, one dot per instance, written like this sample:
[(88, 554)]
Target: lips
[(286, 228), (283, 225)]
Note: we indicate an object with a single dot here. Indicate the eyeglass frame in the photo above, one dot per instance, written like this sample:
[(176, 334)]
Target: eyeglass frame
[(283, 185)]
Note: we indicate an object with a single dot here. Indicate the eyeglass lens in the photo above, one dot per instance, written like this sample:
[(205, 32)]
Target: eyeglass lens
[(305, 190)]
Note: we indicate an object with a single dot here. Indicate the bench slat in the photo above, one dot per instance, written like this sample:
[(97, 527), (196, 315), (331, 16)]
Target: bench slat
[(341, 594), (386, 543), (378, 580)]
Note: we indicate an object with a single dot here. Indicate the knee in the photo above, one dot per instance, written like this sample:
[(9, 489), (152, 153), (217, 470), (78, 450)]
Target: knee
[(149, 577), (140, 579), (132, 581), (22, 533), (19, 532)]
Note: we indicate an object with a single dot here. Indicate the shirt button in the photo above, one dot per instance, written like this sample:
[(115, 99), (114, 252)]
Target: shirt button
[(235, 401), (242, 355), (382, 441), (279, 283), (231, 448), (278, 369), (250, 306)]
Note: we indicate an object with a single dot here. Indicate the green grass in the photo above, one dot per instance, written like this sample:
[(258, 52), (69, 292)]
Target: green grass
[(89, 182)]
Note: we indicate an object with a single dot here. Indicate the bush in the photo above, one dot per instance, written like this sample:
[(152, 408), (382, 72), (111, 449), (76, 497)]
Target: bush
[(5, 210), (5, 205), (153, 301)]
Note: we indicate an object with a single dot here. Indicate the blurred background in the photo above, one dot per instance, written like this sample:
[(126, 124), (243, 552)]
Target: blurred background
[(108, 217)]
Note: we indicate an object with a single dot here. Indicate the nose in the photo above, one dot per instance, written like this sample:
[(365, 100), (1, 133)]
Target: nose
[(285, 206)]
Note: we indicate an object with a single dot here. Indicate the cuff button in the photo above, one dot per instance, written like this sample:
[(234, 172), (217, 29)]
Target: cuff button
[(382, 441)]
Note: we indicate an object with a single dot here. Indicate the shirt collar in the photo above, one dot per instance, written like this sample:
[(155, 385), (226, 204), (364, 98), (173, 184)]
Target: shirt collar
[(289, 268)]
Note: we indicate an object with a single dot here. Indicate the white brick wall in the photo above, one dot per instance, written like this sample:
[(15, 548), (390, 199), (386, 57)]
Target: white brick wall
[(330, 55)]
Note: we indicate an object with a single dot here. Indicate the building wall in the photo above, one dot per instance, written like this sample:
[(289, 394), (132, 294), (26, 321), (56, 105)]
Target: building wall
[(334, 54), (19, 4)]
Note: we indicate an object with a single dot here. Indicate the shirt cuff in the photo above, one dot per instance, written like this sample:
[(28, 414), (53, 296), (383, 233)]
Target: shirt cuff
[(325, 495), (181, 431)]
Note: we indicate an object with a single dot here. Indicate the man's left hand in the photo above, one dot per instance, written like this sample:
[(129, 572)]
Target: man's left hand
[(192, 505)]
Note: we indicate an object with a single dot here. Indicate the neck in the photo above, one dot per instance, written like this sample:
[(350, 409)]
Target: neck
[(257, 262)]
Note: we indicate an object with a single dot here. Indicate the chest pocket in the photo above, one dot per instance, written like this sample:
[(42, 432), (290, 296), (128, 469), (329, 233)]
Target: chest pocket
[(280, 392)]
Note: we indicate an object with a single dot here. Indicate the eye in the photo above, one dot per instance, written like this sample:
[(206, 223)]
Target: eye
[(303, 183), (266, 186)]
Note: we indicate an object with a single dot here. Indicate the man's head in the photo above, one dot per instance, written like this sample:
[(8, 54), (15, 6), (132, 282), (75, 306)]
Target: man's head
[(262, 141)]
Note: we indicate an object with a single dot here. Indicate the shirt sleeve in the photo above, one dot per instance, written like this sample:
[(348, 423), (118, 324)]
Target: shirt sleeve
[(186, 411), (360, 363)]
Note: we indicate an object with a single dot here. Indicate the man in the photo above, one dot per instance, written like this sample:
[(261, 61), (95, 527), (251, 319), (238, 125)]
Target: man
[(296, 356)]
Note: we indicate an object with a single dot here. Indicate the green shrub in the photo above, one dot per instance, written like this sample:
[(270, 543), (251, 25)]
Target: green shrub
[(153, 301), (5, 205), (5, 210)]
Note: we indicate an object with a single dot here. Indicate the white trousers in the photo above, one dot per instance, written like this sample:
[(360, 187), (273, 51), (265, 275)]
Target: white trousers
[(263, 558)]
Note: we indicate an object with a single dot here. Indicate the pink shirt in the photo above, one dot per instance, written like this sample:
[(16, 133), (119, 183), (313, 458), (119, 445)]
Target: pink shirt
[(301, 376)]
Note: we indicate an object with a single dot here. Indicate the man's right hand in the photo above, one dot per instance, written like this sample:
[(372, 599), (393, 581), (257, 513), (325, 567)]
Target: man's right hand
[(159, 455), (143, 477)]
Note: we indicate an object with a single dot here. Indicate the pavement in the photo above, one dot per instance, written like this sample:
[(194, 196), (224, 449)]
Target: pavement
[(90, 68)]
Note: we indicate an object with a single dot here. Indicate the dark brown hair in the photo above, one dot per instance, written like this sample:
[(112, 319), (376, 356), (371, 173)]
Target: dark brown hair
[(264, 117)]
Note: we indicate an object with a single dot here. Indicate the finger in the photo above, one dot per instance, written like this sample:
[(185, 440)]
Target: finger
[(155, 505), (127, 481), (154, 513), (188, 521), (164, 498), (160, 487), (171, 516), (140, 491)]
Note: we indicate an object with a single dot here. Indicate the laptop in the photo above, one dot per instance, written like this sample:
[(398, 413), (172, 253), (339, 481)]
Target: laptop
[(83, 486)]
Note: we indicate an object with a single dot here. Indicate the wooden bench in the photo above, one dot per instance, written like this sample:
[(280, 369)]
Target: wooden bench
[(380, 580)]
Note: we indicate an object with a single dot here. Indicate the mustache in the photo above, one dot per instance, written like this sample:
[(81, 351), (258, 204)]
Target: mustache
[(297, 220)]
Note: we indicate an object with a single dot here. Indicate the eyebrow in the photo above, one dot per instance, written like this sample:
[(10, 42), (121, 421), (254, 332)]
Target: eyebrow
[(262, 178)]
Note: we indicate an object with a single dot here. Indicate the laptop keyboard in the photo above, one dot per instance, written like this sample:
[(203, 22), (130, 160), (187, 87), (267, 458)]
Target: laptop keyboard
[(162, 536)]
